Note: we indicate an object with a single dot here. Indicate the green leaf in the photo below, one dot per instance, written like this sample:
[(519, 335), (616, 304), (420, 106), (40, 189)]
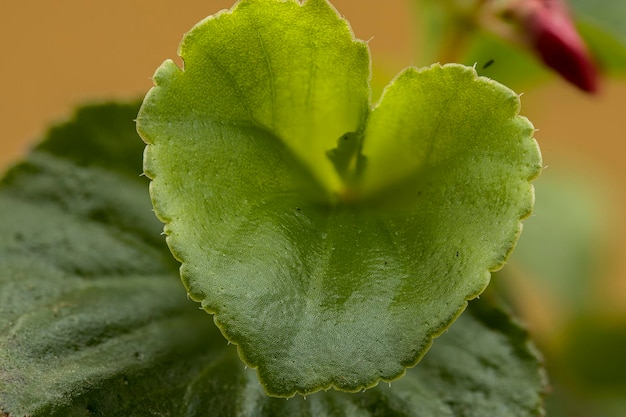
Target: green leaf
[(564, 245), (588, 374), (482, 366), (452, 25), (332, 245), (93, 320), (449, 32), (251, 68), (87, 293), (601, 22), (510, 64), (594, 345), (609, 14)]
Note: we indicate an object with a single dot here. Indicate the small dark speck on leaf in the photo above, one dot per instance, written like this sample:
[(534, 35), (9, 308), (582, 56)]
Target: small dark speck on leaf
[(457, 254), (488, 64), (298, 208)]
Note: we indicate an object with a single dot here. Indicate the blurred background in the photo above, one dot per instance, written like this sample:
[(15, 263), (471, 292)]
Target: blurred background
[(568, 277)]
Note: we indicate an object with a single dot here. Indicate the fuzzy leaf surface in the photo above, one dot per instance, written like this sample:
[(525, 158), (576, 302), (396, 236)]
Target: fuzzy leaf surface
[(330, 263), (93, 320)]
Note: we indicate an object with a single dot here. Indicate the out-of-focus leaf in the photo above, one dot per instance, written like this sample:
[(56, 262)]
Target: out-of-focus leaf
[(609, 51), (561, 250), (589, 372), (497, 59), (594, 353), (601, 25)]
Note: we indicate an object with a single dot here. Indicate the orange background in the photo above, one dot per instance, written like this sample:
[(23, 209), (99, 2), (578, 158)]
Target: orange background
[(58, 54)]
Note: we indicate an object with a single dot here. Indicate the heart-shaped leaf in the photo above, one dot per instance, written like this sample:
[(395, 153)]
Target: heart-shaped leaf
[(92, 322), (332, 242)]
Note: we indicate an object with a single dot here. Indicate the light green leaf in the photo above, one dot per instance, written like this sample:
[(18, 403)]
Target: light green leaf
[(331, 246), (257, 73)]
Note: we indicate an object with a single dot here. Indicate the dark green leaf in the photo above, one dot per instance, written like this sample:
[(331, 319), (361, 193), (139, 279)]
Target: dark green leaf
[(93, 320)]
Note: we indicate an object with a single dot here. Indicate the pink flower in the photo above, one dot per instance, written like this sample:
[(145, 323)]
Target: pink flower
[(549, 30)]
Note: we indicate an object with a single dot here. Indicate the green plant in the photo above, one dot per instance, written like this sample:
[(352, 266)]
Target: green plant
[(331, 238)]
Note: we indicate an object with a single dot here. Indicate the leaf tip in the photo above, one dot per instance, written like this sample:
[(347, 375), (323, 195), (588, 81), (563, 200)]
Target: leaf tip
[(165, 72)]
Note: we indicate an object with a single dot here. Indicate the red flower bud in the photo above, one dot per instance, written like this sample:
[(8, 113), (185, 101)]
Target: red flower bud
[(550, 32)]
